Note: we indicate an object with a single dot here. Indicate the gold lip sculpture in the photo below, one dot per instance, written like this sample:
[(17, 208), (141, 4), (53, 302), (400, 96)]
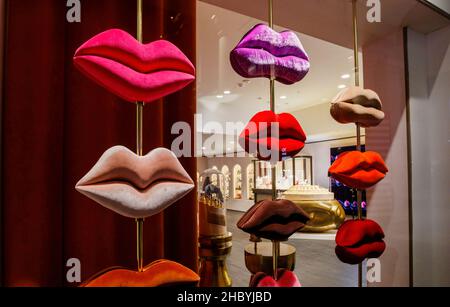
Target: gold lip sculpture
[(136, 186), (324, 211)]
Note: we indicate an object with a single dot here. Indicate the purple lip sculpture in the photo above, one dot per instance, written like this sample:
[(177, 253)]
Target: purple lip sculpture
[(263, 52)]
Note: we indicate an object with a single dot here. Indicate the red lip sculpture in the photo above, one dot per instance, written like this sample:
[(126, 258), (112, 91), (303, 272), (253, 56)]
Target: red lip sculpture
[(357, 240), (133, 71), (359, 170), (286, 279), (257, 136)]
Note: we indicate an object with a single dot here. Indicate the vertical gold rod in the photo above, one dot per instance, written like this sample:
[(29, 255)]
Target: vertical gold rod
[(139, 21), (275, 244), (271, 13), (274, 182), (272, 107), (355, 42), (139, 150), (140, 243), (276, 255), (358, 128)]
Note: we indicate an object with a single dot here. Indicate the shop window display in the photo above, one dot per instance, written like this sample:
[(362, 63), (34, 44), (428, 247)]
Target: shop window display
[(316, 142), (337, 105)]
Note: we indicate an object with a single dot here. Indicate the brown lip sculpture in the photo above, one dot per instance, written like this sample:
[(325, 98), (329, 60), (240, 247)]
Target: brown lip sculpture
[(273, 219), (357, 105), (135, 186)]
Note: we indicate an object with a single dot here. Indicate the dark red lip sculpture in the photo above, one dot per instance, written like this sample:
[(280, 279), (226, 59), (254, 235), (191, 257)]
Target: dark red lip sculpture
[(131, 70), (359, 170), (257, 136), (273, 219), (263, 52), (357, 240)]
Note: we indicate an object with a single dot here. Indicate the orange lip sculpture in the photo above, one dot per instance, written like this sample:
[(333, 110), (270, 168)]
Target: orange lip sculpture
[(135, 186), (359, 170), (161, 273)]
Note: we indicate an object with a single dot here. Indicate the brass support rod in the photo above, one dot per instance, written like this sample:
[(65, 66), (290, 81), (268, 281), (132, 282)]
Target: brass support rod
[(272, 94), (139, 151), (355, 42), (272, 107), (271, 13), (274, 182), (275, 244), (139, 21), (139, 127), (140, 243), (276, 255), (358, 128)]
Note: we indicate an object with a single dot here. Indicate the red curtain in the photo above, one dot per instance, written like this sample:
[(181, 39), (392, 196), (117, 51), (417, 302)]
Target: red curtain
[(56, 124)]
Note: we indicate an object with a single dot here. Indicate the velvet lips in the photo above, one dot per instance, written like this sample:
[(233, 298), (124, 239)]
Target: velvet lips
[(357, 105), (257, 136), (131, 70), (273, 219), (357, 240), (136, 186), (286, 279), (161, 273), (263, 52), (359, 170)]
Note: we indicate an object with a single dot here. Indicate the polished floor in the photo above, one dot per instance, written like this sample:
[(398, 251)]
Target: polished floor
[(316, 262)]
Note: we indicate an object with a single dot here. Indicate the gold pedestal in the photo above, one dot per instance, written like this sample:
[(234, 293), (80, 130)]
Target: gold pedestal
[(324, 215), (259, 259), (213, 252)]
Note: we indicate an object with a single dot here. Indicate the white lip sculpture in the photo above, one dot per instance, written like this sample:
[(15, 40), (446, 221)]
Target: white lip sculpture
[(134, 186)]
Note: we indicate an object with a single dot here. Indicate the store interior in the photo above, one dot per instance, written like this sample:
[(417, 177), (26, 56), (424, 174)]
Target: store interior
[(224, 96)]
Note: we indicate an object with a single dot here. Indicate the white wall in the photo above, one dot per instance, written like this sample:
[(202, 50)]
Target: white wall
[(442, 4), (429, 82), (318, 124)]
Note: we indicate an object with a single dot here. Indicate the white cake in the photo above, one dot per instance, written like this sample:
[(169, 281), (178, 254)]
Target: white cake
[(305, 192)]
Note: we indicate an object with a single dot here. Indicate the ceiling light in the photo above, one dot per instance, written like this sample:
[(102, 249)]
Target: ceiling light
[(203, 148), (346, 76), (283, 97), (342, 86), (213, 16), (219, 96), (227, 92)]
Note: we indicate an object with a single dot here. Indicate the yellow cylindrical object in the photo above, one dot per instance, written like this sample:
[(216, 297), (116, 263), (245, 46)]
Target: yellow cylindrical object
[(213, 252)]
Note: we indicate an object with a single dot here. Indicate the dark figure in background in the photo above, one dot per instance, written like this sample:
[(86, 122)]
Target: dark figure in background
[(209, 188)]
